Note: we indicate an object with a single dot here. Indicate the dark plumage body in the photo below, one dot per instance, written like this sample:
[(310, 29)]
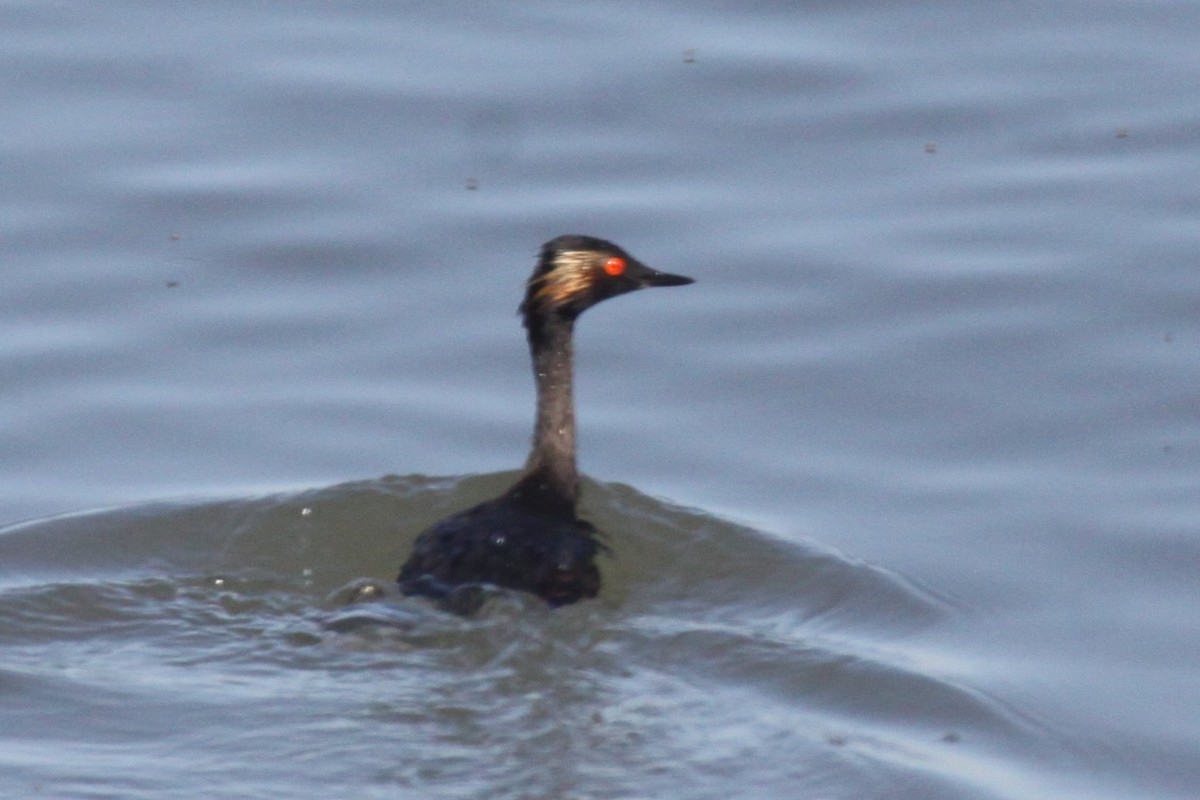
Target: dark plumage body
[(503, 544), (529, 538)]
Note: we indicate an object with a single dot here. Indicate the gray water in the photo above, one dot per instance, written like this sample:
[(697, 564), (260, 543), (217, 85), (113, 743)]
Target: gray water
[(901, 494)]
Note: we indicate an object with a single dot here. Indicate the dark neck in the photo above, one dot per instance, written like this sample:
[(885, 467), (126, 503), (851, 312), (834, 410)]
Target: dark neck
[(549, 479)]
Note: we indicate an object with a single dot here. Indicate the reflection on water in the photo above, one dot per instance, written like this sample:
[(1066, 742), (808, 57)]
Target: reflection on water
[(709, 639)]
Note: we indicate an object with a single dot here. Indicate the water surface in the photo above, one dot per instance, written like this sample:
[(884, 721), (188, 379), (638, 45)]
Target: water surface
[(901, 492)]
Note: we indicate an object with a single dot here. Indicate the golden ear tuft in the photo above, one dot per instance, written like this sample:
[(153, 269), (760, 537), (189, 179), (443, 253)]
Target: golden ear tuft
[(571, 276)]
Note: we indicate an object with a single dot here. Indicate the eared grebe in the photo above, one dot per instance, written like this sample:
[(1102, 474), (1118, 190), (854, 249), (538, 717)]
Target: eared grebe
[(529, 537)]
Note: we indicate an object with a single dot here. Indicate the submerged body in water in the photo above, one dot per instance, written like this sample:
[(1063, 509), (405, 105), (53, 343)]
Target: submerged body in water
[(529, 538)]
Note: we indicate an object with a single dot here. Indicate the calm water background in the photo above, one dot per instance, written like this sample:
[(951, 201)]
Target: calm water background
[(903, 490)]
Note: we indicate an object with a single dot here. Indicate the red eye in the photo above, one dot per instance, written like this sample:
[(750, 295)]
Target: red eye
[(615, 265)]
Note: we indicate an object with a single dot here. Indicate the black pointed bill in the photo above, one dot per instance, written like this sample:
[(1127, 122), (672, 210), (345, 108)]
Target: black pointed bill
[(653, 277)]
